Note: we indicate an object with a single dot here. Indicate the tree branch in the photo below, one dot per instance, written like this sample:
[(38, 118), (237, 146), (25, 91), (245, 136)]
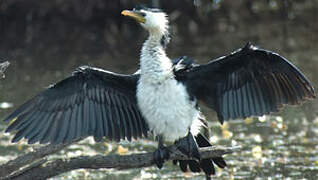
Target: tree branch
[(43, 170), (3, 67), (23, 160)]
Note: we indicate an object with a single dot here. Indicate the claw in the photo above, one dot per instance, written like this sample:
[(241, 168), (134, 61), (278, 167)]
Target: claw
[(189, 146)]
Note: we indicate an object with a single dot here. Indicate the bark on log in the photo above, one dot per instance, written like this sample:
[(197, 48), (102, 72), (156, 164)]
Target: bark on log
[(45, 169)]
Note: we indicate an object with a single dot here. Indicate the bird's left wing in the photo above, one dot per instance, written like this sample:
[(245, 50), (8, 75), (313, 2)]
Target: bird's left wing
[(91, 102), (248, 82)]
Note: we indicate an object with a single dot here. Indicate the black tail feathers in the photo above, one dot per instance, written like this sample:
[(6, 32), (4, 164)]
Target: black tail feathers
[(205, 165)]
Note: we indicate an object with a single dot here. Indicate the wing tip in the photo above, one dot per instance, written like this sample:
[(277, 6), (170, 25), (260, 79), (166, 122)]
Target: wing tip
[(220, 117)]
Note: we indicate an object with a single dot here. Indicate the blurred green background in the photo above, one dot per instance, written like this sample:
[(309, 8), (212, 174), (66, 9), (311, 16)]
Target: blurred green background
[(46, 40)]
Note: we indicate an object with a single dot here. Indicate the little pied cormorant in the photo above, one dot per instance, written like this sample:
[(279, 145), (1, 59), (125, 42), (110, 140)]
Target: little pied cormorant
[(162, 97)]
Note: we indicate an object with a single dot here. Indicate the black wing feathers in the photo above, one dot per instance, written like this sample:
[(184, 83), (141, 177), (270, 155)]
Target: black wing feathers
[(90, 102), (248, 82)]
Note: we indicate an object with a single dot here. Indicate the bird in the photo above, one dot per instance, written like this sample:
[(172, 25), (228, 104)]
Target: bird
[(162, 98)]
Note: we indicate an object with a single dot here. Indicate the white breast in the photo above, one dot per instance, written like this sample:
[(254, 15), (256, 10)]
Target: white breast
[(167, 108), (164, 103)]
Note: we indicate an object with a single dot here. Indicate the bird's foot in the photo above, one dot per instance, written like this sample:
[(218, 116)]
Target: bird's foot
[(160, 156), (188, 146)]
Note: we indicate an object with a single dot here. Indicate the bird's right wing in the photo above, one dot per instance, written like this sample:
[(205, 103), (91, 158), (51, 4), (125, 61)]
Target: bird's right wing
[(91, 102)]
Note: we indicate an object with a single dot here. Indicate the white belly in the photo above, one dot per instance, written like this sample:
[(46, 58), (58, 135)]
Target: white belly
[(166, 108)]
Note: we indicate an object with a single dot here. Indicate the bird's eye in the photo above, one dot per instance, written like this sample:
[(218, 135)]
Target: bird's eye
[(142, 14)]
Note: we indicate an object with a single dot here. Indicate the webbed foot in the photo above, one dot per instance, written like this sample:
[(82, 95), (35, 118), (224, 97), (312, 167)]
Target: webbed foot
[(160, 156), (188, 146)]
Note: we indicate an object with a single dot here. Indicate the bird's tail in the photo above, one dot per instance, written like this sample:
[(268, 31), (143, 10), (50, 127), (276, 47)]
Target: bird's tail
[(205, 165)]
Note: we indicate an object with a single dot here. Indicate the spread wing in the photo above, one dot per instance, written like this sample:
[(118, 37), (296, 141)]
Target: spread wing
[(91, 102), (248, 82)]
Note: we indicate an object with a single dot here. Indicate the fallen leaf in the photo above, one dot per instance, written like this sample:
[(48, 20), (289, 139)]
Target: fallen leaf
[(248, 120), (121, 150)]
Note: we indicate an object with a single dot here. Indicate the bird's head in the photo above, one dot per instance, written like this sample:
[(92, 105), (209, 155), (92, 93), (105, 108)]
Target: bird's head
[(153, 20)]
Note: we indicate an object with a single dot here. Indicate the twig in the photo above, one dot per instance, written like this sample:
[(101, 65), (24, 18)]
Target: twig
[(56, 167), (26, 168), (3, 67)]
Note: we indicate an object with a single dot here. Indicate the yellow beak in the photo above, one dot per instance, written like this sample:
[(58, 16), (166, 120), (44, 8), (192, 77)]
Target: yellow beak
[(134, 15)]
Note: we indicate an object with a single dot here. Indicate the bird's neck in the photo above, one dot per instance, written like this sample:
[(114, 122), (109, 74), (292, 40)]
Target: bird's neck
[(155, 66)]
